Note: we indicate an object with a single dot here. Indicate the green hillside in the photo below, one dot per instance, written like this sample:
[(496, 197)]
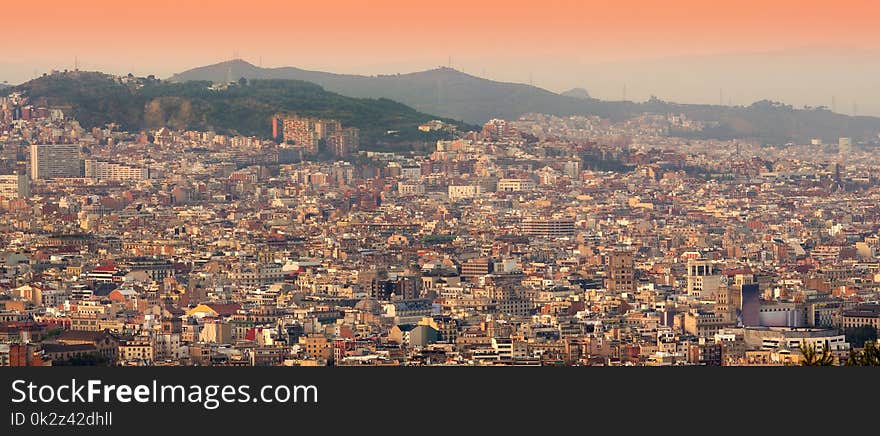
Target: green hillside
[(95, 99)]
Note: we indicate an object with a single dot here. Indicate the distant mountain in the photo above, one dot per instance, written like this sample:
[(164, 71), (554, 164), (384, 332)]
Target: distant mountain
[(95, 99), (442, 91), (453, 94), (577, 93)]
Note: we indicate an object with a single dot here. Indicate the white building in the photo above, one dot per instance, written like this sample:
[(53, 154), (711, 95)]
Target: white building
[(99, 170), (457, 192), (515, 185)]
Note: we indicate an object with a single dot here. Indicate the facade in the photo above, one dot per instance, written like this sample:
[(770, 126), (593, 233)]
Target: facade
[(50, 161), (863, 315), (15, 186), (476, 267), (774, 338), (620, 272), (100, 170), (309, 133), (548, 228), (460, 192), (703, 280), (410, 188), (515, 185)]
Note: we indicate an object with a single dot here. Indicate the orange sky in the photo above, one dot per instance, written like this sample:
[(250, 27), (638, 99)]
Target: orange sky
[(506, 40), (358, 36)]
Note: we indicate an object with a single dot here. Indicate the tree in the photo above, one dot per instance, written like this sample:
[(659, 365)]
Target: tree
[(813, 357), (242, 81), (869, 356), (858, 336)]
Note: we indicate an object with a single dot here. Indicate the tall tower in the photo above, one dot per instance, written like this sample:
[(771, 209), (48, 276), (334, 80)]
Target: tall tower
[(620, 272)]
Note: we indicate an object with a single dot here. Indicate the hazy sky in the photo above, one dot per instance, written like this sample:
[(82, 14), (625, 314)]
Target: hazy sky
[(684, 50)]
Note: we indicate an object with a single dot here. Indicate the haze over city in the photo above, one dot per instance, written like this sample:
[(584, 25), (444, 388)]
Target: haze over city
[(799, 52)]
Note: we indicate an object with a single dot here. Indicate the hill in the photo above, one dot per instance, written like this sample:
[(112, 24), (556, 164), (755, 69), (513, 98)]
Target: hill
[(95, 99), (577, 93), (443, 91), (453, 94)]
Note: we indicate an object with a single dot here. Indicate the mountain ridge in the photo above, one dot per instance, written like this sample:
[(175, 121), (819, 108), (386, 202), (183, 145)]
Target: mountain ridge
[(453, 94)]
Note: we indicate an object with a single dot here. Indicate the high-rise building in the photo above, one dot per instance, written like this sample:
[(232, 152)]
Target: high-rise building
[(343, 142), (496, 129), (301, 131), (50, 161), (702, 278), (15, 186), (620, 272), (751, 304)]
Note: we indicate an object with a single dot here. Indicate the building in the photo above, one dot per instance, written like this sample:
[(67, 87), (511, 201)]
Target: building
[(774, 338), (862, 315), (50, 161), (496, 129), (136, 350), (476, 267), (705, 324), (782, 314), (344, 141), (99, 170), (703, 280), (410, 188), (301, 131), (458, 192), (310, 133), (316, 346), (515, 185), (154, 268), (751, 305), (620, 272), (15, 186), (548, 228)]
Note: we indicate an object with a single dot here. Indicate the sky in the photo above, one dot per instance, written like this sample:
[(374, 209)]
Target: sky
[(682, 50)]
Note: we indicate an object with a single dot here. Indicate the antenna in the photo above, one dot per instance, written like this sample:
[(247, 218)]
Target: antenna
[(624, 92), (855, 109), (75, 63), (450, 61)]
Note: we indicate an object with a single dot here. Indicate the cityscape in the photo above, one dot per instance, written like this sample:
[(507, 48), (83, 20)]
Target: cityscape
[(236, 215)]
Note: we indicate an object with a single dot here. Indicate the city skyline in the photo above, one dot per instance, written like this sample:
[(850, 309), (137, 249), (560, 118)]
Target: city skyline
[(233, 216)]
